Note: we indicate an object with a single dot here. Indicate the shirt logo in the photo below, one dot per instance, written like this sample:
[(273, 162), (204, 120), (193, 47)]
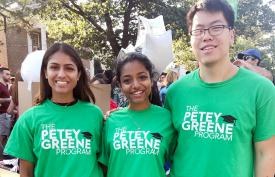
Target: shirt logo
[(208, 125), (65, 141), (137, 142)]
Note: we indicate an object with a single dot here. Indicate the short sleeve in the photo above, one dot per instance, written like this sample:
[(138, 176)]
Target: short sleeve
[(104, 154), (99, 125), (265, 116), (21, 140), (172, 147)]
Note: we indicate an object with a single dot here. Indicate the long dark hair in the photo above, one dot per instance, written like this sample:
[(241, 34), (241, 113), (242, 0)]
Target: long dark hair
[(144, 60), (82, 90)]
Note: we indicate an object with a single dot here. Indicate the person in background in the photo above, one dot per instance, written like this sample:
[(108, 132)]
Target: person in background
[(13, 107), (162, 80), (5, 99), (61, 135), (171, 77), (224, 114), (101, 78), (137, 140), (250, 59), (116, 94)]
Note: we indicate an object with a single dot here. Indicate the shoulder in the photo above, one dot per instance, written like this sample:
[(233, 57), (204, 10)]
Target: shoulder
[(256, 85), (160, 110), (254, 80), (118, 113), (186, 81), (29, 117), (89, 107)]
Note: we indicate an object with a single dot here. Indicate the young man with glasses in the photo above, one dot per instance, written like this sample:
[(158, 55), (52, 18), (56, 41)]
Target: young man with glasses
[(250, 59), (224, 114)]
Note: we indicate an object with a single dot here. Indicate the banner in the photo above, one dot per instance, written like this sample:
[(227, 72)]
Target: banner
[(234, 5)]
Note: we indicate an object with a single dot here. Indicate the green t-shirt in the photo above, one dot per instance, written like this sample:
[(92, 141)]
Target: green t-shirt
[(60, 141), (218, 123), (137, 143)]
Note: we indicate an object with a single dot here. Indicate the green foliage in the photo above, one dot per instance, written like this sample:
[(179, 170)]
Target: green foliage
[(242, 43), (266, 44), (99, 28), (253, 18), (87, 26), (183, 54)]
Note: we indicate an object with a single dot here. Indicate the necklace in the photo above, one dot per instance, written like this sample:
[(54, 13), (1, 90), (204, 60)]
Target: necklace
[(137, 125), (139, 114), (66, 104)]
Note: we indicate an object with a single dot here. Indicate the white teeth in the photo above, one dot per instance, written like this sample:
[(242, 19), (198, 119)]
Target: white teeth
[(138, 92), (208, 48), (61, 82)]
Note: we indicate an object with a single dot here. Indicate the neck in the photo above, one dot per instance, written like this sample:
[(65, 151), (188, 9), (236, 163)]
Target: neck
[(2, 81), (62, 99), (217, 72), (139, 107)]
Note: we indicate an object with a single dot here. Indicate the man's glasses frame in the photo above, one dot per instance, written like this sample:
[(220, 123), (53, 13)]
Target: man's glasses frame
[(212, 30)]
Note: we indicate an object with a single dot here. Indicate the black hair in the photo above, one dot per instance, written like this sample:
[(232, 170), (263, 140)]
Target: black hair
[(3, 69), (144, 60), (211, 6), (101, 78), (82, 90), (108, 75)]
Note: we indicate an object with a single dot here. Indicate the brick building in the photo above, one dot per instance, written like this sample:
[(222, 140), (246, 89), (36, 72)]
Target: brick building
[(16, 43)]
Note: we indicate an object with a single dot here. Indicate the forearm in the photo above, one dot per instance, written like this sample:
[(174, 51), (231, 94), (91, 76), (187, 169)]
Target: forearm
[(26, 168), (265, 166), (265, 158), (3, 100)]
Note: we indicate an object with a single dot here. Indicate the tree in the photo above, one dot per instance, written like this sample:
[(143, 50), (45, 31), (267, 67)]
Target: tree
[(112, 24), (183, 54), (99, 28), (265, 44), (253, 18), (242, 43)]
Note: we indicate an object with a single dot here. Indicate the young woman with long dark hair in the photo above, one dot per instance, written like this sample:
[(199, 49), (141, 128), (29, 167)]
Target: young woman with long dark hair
[(61, 135), (137, 140)]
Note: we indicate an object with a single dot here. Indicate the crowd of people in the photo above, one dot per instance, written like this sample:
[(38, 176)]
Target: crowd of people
[(217, 120)]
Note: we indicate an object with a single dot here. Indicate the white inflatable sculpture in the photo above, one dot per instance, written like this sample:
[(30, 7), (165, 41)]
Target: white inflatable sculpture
[(153, 41), (30, 67)]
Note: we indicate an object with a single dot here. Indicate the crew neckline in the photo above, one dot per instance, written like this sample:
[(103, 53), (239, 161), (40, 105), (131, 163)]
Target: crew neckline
[(60, 107), (217, 84), (139, 111), (66, 104)]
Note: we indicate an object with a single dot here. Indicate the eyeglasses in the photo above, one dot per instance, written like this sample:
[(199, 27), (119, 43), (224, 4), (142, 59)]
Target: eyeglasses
[(212, 30)]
